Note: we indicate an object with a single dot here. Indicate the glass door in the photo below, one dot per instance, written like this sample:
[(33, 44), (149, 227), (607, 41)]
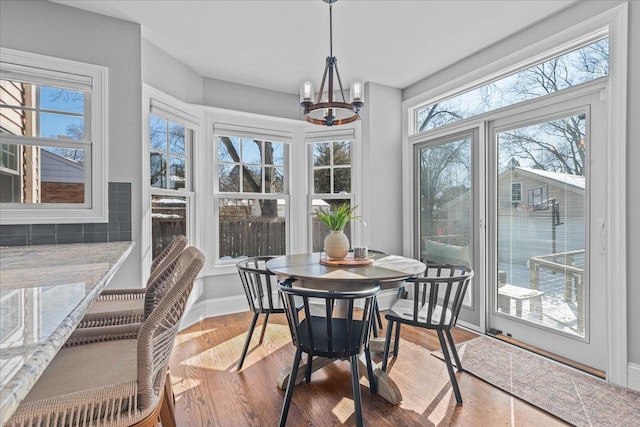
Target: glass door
[(547, 272), (445, 194)]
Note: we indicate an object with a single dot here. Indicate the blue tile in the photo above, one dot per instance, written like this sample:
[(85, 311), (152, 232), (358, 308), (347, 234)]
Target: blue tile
[(43, 229), (43, 239), (68, 238), (68, 228), (99, 227), (14, 230), (95, 237), (13, 240), (114, 236)]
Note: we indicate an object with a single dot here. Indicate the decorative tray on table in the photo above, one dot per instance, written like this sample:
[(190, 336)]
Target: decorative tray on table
[(349, 260)]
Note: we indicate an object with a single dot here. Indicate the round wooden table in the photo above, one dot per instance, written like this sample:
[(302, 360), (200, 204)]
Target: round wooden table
[(387, 270)]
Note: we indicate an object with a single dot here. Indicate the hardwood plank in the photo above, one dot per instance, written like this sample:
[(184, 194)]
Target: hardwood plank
[(209, 391)]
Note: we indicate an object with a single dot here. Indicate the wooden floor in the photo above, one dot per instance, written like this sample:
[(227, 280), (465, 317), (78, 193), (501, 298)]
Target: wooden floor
[(209, 391)]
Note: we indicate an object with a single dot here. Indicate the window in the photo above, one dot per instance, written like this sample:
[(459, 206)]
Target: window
[(578, 66), (330, 184), (52, 129), (251, 196), (169, 169), (516, 192)]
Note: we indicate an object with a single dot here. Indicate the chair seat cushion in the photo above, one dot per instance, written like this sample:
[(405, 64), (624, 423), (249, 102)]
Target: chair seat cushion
[(109, 306), (339, 345), (86, 367), (402, 309)]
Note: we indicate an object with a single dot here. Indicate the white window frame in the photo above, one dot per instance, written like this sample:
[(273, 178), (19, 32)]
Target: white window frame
[(48, 70), (615, 21), (175, 111)]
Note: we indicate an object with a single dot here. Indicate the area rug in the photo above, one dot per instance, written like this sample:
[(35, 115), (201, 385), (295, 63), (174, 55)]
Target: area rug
[(574, 396)]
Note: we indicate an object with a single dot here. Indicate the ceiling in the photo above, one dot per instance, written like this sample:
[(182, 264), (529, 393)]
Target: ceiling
[(279, 44)]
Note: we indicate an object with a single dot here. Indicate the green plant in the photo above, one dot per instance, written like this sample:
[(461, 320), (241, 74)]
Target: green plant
[(338, 218)]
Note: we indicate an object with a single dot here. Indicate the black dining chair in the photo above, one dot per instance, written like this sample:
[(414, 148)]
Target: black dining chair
[(259, 287), (335, 329), (434, 303)]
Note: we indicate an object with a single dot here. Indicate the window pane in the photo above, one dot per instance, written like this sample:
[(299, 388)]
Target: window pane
[(158, 170), (573, 68), (274, 153), (541, 240), (42, 174), (252, 151), (322, 181), (445, 203), (177, 173), (158, 133), (252, 179), (65, 100), (168, 220), (228, 149), (61, 126), (318, 228), (274, 180), (322, 154), (176, 139), (342, 180), (342, 153), (61, 174), (251, 227), (228, 176)]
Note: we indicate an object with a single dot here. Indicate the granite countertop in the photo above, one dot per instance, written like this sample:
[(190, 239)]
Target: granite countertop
[(44, 292)]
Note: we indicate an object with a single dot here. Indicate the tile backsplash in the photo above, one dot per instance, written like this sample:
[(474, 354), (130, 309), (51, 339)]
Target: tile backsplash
[(117, 229)]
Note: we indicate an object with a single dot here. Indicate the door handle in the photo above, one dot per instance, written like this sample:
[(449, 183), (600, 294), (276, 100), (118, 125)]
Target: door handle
[(602, 235)]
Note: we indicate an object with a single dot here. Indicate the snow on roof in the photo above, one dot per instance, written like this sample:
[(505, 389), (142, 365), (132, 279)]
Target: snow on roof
[(577, 181)]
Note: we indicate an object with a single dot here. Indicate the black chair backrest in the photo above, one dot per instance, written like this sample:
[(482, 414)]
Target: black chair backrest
[(438, 295), (259, 285), (337, 328)]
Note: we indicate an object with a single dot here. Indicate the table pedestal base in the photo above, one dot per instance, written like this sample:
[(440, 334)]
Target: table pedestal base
[(387, 389)]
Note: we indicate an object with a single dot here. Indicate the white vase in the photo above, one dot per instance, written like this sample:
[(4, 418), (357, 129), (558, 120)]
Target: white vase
[(336, 244)]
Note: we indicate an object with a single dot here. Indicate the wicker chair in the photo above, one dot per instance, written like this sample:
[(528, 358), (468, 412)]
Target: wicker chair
[(118, 379), (124, 306), (258, 284), (342, 332), (435, 304)]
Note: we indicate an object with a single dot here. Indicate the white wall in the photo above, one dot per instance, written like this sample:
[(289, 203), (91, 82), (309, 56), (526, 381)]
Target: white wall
[(167, 74), (65, 32), (557, 23)]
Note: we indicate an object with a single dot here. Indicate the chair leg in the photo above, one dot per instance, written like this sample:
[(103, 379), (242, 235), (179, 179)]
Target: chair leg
[(374, 323), (290, 386), (307, 376), (454, 350), (167, 415), (387, 344), (396, 344), (264, 328), (355, 384), (447, 360), (373, 385), (247, 340), (378, 316)]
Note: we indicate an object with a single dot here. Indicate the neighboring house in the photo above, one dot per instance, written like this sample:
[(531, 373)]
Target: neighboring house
[(62, 180)]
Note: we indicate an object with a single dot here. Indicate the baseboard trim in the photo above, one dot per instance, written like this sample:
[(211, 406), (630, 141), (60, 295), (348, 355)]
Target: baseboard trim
[(633, 376), (212, 308)]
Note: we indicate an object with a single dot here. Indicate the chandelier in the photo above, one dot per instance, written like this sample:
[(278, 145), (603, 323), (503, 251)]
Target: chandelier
[(326, 111)]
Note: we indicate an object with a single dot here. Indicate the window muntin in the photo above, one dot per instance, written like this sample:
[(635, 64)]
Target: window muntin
[(170, 180), (573, 68), (331, 167), (331, 185), (167, 147), (251, 197)]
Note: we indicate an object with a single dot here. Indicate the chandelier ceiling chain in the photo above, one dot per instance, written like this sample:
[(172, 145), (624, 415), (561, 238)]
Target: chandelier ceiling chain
[(330, 112)]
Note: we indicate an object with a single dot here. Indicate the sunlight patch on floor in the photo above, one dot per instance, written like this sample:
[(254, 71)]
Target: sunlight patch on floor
[(184, 336), (343, 409), (182, 384), (225, 355)]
